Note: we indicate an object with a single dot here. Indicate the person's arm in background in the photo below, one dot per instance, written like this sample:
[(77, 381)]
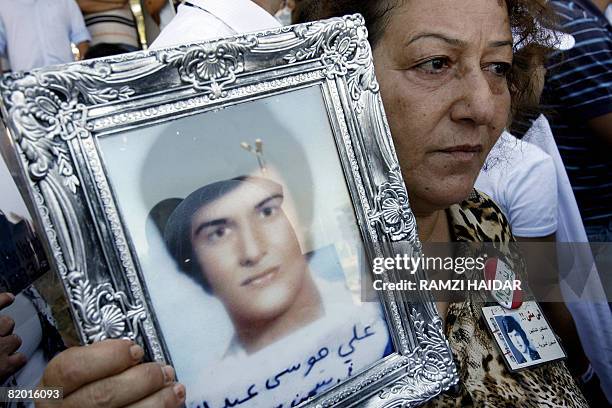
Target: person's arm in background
[(532, 196), (154, 7), (525, 187), (83, 47), (79, 34), (538, 247), (602, 126)]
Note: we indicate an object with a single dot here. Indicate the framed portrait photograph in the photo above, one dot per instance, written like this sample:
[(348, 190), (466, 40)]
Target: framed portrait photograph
[(221, 204)]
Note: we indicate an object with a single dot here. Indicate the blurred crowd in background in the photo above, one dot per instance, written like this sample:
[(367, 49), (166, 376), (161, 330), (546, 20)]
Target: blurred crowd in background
[(61, 31)]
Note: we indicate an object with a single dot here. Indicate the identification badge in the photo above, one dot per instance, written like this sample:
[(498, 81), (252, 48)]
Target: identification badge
[(523, 335), (497, 270)]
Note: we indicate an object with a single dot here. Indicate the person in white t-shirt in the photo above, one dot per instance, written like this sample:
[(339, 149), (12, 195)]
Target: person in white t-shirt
[(505, 178)]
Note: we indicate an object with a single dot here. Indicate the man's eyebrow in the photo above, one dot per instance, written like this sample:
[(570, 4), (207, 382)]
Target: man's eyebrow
[(211, 223), (267, 200), (455, 42)]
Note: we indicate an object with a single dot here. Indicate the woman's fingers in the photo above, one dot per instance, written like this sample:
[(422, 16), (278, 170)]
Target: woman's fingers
[(17, 360), (79, 366), (9, 344), (138, 383), (7, 325), (172, 396), (6, 299)]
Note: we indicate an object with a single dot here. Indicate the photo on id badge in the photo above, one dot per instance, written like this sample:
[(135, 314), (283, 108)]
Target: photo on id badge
[(250, 252), (523, 335)]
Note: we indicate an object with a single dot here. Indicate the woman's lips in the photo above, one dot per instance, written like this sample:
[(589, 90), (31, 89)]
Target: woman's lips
[(261, 278), (462, 152)]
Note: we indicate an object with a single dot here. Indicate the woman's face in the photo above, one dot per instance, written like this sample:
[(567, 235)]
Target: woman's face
[(442, 67)]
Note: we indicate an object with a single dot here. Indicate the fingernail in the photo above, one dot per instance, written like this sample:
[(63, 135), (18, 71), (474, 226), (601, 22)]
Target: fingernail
[(168, 373), (136, 352), (179, 391), (10, 295)]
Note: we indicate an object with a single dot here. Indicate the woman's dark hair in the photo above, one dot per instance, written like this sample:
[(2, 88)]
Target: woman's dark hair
[(527, 17)]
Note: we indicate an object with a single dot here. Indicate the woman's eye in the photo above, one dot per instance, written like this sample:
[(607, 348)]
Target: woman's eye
[(434, 65), (500, 69)]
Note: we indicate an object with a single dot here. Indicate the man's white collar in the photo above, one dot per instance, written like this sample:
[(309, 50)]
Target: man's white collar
[(242, 16)]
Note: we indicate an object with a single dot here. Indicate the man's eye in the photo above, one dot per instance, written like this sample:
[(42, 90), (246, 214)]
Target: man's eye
[(434, 65), (500, 69), (268, 211), (217, 234)]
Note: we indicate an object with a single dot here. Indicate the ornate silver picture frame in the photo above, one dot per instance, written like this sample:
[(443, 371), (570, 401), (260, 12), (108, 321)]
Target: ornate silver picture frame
[(144, 169)]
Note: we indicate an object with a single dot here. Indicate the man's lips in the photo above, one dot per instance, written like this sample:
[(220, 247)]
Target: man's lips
[(261, 278)]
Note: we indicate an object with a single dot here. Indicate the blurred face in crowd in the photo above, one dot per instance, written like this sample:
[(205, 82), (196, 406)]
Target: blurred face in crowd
[(249, 252), (442, 68)]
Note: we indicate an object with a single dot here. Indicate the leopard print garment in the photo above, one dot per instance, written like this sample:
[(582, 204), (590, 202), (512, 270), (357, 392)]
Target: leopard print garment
[(484, 379)]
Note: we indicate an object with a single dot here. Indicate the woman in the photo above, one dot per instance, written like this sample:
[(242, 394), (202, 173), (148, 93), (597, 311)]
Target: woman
[(446, 75), (449, 82)]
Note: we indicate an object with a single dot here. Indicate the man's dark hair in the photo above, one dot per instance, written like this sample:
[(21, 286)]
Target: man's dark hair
[(510, 324)]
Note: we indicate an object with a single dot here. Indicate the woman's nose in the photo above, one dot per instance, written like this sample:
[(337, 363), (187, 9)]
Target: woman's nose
[(476, 104)]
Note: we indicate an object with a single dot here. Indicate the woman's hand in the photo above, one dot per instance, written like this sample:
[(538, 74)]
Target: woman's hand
[(108, 374), (10, 362)]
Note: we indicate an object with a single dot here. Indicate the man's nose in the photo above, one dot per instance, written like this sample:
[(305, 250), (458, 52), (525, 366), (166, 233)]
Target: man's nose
[(253, 245), (476, 104)]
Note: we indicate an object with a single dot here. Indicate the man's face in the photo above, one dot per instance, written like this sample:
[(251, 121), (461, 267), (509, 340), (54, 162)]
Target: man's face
[(248, 251), (516, 338)]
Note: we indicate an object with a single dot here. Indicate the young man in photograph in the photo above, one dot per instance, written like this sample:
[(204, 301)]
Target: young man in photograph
[(235, 240), (293, 327)]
